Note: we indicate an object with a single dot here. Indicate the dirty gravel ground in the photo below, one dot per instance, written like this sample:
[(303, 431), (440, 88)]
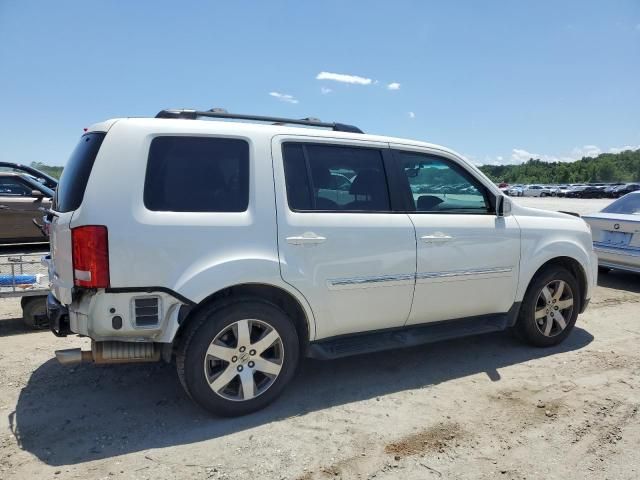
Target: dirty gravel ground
[(481, 407)]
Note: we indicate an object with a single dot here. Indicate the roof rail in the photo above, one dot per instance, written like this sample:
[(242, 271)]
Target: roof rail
[(220, 113)]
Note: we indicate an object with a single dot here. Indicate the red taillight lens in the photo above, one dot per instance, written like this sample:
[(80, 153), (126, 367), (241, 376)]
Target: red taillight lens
[(90, 256)]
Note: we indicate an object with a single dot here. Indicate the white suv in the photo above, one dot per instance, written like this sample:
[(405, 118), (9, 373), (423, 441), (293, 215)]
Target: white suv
[(235, 248)]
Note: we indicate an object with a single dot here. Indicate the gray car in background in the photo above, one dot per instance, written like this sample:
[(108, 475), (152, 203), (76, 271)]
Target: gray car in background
[(616, 234)]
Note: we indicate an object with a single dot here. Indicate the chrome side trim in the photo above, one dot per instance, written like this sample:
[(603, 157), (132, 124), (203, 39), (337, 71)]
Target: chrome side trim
[(463, 273), (382, 280), (368, 280)]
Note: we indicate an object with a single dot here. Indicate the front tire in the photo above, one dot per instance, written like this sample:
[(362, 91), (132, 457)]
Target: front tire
[(550, 307), (237, 358)]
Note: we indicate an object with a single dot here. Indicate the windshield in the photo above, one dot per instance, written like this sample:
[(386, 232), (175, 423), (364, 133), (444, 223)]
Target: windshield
[(629, 204)]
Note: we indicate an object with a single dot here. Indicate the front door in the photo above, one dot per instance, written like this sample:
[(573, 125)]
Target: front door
[(339, 243), (468, 257)]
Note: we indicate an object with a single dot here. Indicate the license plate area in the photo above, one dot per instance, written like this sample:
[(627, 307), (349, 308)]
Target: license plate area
[(616, 238)]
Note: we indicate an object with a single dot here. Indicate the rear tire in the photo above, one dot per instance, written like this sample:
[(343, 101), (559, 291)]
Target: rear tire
[(550, 307), (237, 358)]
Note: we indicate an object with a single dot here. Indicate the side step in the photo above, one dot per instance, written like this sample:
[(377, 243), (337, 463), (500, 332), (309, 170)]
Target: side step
[(346, 345)]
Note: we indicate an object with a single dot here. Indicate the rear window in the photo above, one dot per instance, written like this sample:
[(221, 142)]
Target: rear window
[(629, 204), (197, 174), (76, 172)]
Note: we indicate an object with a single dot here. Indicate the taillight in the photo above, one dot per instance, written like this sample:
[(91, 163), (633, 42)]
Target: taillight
[(90, 256)]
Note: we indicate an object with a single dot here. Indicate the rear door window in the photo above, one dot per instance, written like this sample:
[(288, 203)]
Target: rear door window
[(197, 174), (335, 178), (75, 175)]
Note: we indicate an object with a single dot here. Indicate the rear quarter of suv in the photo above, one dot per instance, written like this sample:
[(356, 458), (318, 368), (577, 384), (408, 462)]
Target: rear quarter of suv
[(235, 248)]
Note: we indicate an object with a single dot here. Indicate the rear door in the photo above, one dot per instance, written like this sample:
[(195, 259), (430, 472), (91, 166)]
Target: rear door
[(467, 257), (67, 200), (339, 243)]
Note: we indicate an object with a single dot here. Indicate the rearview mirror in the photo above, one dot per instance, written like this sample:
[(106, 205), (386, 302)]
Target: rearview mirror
[(503, 206), (37, 194)]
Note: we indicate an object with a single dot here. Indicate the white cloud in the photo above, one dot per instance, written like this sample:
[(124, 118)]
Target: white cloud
[(585, 151), (284, 97), (624, 149), (393, 86), (325, 90), (520, 155), (343, 78), (412, 115)]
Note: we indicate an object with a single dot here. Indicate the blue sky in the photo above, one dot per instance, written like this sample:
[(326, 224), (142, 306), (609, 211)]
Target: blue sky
[(497, 81)]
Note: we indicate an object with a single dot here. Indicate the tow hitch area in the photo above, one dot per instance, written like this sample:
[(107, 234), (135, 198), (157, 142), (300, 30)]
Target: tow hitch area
[(111, 352)]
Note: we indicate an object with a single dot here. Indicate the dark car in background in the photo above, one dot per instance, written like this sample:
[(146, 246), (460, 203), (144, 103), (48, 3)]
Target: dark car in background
[(610, 189), (591, 191), (624, 189), (46, 180)]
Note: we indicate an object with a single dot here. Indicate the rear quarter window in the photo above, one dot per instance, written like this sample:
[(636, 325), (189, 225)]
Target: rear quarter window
[(75, 175), (197, 174)]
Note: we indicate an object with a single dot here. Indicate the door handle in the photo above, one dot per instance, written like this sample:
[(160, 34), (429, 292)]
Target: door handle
[(436, 238), (308, 238), (4, 207)]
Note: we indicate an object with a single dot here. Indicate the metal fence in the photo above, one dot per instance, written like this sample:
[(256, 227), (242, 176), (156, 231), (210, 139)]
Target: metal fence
[(23, 274)]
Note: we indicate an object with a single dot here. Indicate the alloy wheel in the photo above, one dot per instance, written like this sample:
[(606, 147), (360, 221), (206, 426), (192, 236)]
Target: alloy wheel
[(554, 308), (244, 360)]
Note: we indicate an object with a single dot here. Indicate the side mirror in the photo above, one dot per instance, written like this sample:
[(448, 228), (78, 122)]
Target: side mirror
[(37, 194), (503, 206)]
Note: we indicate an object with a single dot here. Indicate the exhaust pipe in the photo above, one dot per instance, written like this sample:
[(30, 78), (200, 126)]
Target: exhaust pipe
[(111, 352), (73, 356)]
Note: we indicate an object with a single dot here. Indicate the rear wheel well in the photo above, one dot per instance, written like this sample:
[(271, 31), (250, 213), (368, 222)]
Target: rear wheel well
[(574, 267), (277, 296)]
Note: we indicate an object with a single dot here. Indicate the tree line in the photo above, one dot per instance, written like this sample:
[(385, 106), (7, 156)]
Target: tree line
[(606, 167), (55, 172)]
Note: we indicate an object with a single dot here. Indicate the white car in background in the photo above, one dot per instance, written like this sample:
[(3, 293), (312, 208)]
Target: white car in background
[(515, 191), (536, 191), (616, 234)]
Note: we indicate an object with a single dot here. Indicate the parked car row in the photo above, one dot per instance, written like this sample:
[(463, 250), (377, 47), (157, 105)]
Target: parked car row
[(594, 190)]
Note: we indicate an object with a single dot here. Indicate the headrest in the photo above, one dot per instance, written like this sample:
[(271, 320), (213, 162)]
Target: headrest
[(427, 202)]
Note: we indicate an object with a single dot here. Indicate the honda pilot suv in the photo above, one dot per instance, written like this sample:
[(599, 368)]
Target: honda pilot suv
[(236, 247)]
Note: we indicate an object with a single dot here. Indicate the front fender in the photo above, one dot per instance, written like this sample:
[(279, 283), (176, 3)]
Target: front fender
[(536, 254)]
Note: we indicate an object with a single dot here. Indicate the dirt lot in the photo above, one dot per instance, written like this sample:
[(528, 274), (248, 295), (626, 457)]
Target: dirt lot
[(481, 407)]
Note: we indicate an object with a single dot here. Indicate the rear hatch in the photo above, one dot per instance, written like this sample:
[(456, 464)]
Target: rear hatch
[(67, 200)]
